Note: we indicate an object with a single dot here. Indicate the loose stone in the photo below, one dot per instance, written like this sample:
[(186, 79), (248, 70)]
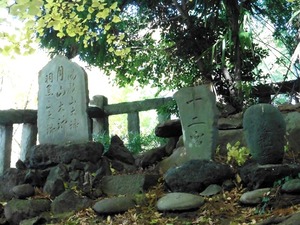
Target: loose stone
[(179, 201)]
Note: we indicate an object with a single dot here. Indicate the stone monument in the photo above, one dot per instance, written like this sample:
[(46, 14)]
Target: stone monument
[(199, 118), (264, 130), (62, 103)]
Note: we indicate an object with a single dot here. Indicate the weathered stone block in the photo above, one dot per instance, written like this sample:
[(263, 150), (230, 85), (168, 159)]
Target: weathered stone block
[(196, 175), (127, 184), (63, 102), (199, 119), (264, 130)]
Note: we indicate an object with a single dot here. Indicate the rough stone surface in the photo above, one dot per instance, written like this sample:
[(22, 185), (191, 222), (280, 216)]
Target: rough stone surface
[(264, 129), (259, 176), (55, 180), (178, 157), (127, 184), (292, 120), (122, 166), (17, 210), (212, 189), (11, 178), (114, 205), (118, 151), (169, 128), (69, 201), (230, 136), (152, 156), (196, 175), (282, 220), (291, 186), (23, 191), (43, 156), (254, 197), (34, 221), (199, 118), (179, 202), (229, 123), (63, 101)]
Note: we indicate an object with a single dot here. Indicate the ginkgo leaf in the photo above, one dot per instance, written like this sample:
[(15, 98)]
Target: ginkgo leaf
[(116, 19), (107, 27), (103, 14), (111, 49), (60, 34), (114, 6), (91, 10), (80, 8)]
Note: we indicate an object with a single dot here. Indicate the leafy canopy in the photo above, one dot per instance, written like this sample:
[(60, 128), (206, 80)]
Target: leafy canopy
[(169, 44)]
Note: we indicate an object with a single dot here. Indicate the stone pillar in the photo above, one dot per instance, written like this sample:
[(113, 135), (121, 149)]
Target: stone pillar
[(5, 147), (29, 137), (133, 124), (199, 119), (133, 121), (100, 125)]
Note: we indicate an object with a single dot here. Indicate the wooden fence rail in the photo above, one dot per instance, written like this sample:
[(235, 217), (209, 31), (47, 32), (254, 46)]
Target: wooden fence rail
[(99, 112)]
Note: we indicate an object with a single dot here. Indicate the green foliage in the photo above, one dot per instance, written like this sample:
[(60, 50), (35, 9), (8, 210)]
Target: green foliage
[(134, 142), (261, 209), (237, 154), (166, 44), (104, 139), (170, 108)]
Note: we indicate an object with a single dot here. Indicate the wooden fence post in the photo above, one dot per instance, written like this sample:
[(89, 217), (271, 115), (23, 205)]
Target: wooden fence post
[(100, 125), (6, 132), (28, 139)]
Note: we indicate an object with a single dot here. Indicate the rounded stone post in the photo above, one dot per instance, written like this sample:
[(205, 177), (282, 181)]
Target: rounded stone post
[(100, 125), (5, 147), (29, 137)]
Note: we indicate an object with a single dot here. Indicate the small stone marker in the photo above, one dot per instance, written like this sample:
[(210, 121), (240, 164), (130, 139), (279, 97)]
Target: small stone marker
[(199, 118), (63, 102), (264, 131)]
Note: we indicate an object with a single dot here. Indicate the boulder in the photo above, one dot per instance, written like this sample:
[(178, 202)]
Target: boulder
[(254, 197), (211, 190), (291, 186), (46, 155), (55, 181), (169, 128), (69, 201), (114, 205), (17, 210), (256, 176), (118, 151), (23, 191), (196, 175), (127, 184), (178, 201), (11, 178), (178, 157), (151, 157), (264, 130)]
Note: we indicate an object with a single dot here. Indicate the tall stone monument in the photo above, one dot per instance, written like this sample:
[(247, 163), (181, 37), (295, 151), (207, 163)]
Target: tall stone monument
[(199, 119), (62, 103)]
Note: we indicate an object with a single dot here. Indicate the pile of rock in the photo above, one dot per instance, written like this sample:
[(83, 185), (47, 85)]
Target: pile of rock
[(56, 179)]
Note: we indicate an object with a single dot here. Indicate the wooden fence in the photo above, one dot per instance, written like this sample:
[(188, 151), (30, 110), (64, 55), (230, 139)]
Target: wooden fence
[(99, 112)]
